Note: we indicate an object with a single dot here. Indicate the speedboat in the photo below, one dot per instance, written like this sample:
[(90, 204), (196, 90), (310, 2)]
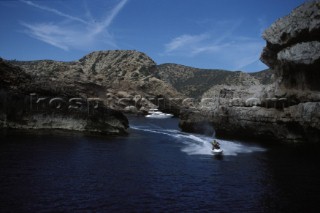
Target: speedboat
[(217, 151), (155, 113)]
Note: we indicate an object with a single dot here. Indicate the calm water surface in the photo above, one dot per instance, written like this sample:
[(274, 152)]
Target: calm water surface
[(155, 169)]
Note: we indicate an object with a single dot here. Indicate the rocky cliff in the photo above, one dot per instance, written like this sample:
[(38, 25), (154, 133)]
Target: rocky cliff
[(293, 47), (287, 110), (28, 102)]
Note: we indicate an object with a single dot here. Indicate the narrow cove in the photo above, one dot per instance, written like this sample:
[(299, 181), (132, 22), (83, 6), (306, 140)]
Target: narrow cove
[(156, 168)]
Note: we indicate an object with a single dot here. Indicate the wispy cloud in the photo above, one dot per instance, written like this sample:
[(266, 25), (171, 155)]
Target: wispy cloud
[(51, 34), (109, 18), (223, 45), (57, 12), (183, 41), (69, 35)]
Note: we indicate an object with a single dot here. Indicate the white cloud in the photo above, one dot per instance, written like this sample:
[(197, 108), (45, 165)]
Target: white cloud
[(49, 33), (77, 33), (182, 41), (213, 48), (223, 46)]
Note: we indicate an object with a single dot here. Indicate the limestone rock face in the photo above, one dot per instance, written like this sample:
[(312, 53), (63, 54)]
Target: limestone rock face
[(104, 68), (303, 53), (287, 110), (292, 49), (28, 103), (301, 24)]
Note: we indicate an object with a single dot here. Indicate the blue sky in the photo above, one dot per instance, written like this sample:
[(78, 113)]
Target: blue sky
[(224, 34)]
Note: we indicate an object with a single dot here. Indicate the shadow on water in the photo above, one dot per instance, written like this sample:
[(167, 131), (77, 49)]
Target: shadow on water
[(218, 157)]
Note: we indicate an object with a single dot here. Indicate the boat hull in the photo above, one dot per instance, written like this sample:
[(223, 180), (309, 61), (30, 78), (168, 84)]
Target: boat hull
[(155, 113), (217, 151), (159, 116)]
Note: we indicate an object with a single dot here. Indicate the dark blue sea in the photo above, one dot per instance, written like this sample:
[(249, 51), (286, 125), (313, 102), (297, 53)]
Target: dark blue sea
[(157, 168)]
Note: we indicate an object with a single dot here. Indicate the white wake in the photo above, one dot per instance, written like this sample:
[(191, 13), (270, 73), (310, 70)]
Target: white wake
[(194, 144)]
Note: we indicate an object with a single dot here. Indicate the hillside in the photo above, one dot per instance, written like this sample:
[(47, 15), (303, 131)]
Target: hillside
[(194, 82), (265, 76), (123, 79), (131, 81)]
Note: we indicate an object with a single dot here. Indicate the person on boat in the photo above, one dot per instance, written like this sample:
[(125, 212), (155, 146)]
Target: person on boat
[(215, 144)]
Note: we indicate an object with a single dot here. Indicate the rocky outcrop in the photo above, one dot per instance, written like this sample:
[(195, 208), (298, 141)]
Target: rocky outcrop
[(286, 110), (31, 103), (292, 50), (294, 124)]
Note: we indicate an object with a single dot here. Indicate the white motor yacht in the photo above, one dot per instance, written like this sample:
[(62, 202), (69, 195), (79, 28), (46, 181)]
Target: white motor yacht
[(155, 113)]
